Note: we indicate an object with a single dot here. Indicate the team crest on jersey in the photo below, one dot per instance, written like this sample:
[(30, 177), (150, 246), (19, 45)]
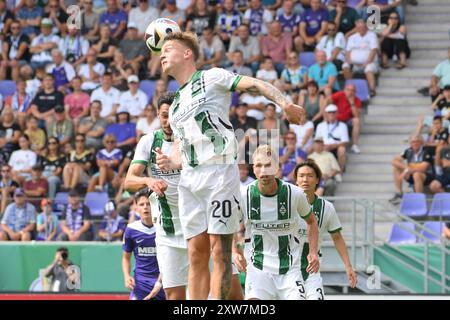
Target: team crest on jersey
[(283, 209)]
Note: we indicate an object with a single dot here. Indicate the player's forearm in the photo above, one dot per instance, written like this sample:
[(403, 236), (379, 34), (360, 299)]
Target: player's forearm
[(341, 248), (313, 237), (134, 183), (126, 266), (253, 85)]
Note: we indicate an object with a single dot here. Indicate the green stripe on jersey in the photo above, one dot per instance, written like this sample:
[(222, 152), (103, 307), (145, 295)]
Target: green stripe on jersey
[(166, 216), (144, 162), (284, 211), (304, 261), (258, 247), (318, 207), (196, 86), (235, 83), (193, 162), (255, 202), (158, 138), (209, 129), (284, 254)]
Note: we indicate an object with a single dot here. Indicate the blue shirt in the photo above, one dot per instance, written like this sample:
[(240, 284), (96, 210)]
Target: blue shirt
[(314, 19), (122, 131), (113, 19), (25, 13), (289, 23), (290, 164), (18, 218), (321, 75), (42, 219), (113, 225), (115, 154)]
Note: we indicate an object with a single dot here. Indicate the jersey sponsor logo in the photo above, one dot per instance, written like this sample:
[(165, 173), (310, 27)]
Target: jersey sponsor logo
[(187, 110), (146, 251), (272, 226), (302, 232)]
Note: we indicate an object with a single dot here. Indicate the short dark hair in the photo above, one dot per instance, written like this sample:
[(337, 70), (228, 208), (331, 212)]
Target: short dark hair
[(142, 193), (437, 117), (188, 39), (166, 98), (313, 165)]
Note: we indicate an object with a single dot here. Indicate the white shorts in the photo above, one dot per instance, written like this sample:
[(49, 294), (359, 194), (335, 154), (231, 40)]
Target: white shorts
[(210, 200), (314, 287), (371, 67), (266, 286), (174, 265)]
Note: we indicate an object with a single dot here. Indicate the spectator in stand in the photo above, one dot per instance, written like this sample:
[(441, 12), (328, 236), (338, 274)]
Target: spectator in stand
[(418, 170), (441, 105), (22, 160), (238, 66), (257, 18), (277, 45), (212, 50), (75, 220), (361, 55), (437, 140), (274, 127), (91, 71), (442, 181), (228, 22), (386, 7), (61, 70), (345, 18), (200, 18), (93, 126), (9, 132), (256, 104), (142, 15), (304, 132), (289, 22), (328, 165), (313, 102), (121, 70), (7, 186), (113, 225), (148, 124), (267, 71), (108, 160), (134, 100), (290, 156), (19, 220), (52, 162), (324, 73), (30, 17), (78, 165), (42, 45), (58, 15), (47, 222), (173, 13), (123, 130), (245, 128), (7, 17), (77, 102), (19, 102), (108, 96), (133, 48), (44, 103), (248, 45), (61, 128), (160, 89), (333, 43), (90, 21), (33, 81), (313, 25), (37, 187), (244, 177), (349, 111), (394, 41), (37, 135), (294, 76), (446, 227), (440, 77), (334, 134), (115, 18), (14, 52), (74, 47), (105, 46)]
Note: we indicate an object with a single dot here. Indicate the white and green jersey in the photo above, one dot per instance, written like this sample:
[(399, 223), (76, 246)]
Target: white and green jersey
[(168, 227), (271, 226), (199, 118), (327, 221)]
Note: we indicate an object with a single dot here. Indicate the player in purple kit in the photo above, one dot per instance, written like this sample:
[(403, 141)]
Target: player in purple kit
[(139, 239)]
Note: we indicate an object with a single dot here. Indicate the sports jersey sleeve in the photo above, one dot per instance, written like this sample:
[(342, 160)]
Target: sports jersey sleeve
[(143, 150), (224, 79), (127, 245), (303, 207), (333, 223)]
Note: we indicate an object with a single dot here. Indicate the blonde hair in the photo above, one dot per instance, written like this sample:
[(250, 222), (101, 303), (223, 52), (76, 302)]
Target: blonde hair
[(187, 39), (265, 150)]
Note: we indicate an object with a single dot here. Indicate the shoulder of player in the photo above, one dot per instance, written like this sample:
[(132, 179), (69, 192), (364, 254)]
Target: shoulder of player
[(138, 226), (295, 190)]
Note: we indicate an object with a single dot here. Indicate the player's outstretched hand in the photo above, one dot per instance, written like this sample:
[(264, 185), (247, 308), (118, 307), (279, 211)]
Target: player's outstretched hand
[(155, 291), (239, 260), (352, 277), (294, 113), (158, 186), (313, 263), (129, 283), (162, 160)]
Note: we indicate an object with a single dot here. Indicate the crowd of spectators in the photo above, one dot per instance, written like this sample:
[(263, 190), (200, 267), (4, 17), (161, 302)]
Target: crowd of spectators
[(78, 110)]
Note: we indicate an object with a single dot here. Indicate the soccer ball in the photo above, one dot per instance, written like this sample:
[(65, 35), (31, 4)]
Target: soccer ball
[(157, 30)]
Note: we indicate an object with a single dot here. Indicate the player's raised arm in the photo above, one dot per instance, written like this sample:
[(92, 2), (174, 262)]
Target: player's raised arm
[(313, 239), (252, 85), (135, 180)]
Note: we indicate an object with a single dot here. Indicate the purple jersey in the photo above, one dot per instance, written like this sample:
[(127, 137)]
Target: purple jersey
[(313, 20), (115, 154), (113, 19), (140, 239), (289, 23)]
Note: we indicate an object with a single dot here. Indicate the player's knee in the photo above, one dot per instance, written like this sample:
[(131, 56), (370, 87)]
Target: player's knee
[(418, 176)]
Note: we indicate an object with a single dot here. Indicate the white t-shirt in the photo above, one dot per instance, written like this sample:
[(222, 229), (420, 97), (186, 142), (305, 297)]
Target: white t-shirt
[(78, 46), (142, 18), (70, 71), (360, 46), (108, 99), (99, 69), (249, 99), (135, 105), (300, 132), (143, 125), (265, 75), (328, 45), (46, 55), (332, 132), (22, 159)]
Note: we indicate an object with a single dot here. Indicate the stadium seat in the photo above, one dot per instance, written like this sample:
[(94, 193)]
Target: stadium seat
[(7, 88), (434, 226), (440, 205), (148, 86), (307, 59), (401, 233), (60, 202), (414, 204), (362, 88), (96, 201), (173, 85)]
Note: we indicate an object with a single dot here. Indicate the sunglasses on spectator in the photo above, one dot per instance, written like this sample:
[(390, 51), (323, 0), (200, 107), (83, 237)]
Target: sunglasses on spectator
[(394, 17), (79, 140), (88, 3), (332, 29), (52, 142), (15, 28), (111, 141)]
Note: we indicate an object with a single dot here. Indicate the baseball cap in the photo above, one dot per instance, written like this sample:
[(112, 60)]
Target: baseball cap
[(132, 78), (19, 192), (59, 108), (131, 25), (447, 87), (73, 193), (318, 139), (171, 2), (47, 22), (331, 108), (37, 167)]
